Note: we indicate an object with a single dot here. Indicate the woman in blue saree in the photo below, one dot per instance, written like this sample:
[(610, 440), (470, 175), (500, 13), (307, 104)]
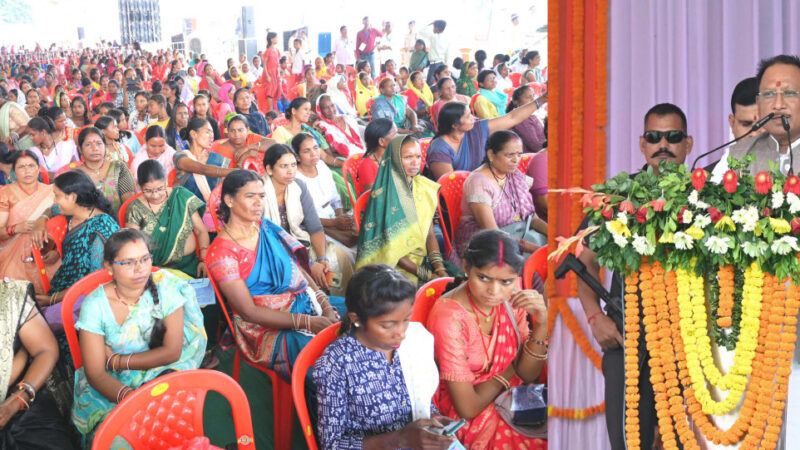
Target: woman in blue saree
[(262, 272), (196, 169)]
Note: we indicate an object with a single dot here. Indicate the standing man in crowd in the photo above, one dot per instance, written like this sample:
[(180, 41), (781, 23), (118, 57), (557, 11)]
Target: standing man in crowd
[(438, 48), (408, 43), (344, 49), (365, 45)]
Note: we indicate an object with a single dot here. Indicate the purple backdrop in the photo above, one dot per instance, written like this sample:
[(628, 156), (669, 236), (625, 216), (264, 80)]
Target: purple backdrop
[(692, 54)]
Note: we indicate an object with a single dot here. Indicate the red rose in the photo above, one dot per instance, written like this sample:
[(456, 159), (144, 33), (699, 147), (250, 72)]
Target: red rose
[(730, 181), (626, 207), (763, 182), (699, 177), (795, 225), (766, 212), (641, 214), (608, 212), (658, 205), (792, 185), (715, 214), (680, 214)]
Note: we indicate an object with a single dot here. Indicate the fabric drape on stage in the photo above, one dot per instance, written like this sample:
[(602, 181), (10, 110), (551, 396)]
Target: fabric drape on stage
[(576, 140), (691, 54)]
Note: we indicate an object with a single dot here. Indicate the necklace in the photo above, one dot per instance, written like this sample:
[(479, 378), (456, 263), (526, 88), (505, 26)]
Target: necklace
[(95, 171), (69, 224), (121, 300), (253, 233), (511, 198), (478, 313), (35, 188)]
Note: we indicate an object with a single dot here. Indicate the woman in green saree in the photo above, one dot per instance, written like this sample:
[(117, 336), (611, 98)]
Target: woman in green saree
[(397, 226), (172, 217)]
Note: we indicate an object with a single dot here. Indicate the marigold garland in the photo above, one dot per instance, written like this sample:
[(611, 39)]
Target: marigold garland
[(632, 435), (726, 290), (574, 413)]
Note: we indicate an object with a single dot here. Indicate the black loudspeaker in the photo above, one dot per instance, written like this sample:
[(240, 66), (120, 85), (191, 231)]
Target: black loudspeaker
[(247, 43), (81, 34)]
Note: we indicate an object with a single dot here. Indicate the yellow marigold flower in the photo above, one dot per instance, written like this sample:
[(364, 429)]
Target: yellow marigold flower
[(781, 226), (667, 238), (618, 228), (695, 233), (725, 223)]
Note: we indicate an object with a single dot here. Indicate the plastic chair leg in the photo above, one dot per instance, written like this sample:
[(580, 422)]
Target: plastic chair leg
[(283, 409), (237, 364)]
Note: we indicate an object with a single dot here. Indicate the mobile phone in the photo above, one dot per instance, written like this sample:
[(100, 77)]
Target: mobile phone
[(451, 429)]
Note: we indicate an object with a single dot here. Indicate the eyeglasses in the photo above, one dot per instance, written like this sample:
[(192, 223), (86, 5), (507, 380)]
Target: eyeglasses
[(154, 191), (673, 136), (132, 263), (772, 95)]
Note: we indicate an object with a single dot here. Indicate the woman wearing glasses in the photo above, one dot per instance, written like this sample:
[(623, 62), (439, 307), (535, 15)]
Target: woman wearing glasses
[(171, 217), (89, 224), (132, 329)]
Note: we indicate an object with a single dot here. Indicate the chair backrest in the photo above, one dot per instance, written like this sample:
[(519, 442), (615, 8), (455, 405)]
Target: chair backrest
[(252, 163), (124, 209), (427, 294), (350, 169), (307, 358), (472, 103), (168, 411), (57, 229), (84, 286), (140, 135), (212, 204), (536, 263), (423, 146), (515, 78), (44, 175), (68, 167), (171, 177), (37, 258), (452, 186), (524, 161), (359, 207), (369, 107)]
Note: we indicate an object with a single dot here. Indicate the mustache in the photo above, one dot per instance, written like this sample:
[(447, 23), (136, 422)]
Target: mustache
[(663, 151)]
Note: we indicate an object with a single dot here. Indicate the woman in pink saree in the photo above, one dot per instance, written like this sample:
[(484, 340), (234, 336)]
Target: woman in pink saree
[(24, 209)]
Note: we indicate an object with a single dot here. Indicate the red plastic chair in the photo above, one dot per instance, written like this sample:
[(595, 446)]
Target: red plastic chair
[(350, 169), (515, 79), (171, 177), (44, 175), (423, 146), (84, 286), (213, 204), (307, 358), (124, 209), (140, 135), (536, 263), (452, 186), (472, 104), (427, 294), (359, 207), (281, 390), (524, 161), (37, 258), (252, 163), (68, 167), (369, 107), (168, 411), (57, 229)]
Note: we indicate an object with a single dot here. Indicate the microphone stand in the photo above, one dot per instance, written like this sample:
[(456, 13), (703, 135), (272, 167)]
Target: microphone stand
[(755, 127), (785, 123)]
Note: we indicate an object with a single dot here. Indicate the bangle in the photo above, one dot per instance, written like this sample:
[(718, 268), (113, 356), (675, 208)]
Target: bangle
[(538, 105), (120, 394), (29, 389), (108, 362), (499, 378), (308, 322), (23, 404), (545, 343), (322, 258), (128, 362), (293, 316), (529, 352), (217, 173), (589, 320)]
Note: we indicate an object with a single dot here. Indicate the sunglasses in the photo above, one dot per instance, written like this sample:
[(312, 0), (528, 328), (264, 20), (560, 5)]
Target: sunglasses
[(673, 136)]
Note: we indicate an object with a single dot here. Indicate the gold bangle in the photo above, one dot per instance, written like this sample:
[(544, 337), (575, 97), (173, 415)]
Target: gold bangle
[(506, 384), (537, 356)]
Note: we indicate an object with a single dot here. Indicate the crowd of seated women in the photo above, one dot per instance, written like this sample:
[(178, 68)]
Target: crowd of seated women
[(147, 184)]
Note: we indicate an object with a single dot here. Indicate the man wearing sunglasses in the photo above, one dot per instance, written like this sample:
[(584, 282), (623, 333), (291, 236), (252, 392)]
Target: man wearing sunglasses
[(778, 93), (664, 138)]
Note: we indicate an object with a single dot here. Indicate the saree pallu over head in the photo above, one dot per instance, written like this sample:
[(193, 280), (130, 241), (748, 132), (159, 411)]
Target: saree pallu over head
[(276, 282), (425, 94), (344, 141), (363, 94), (16, 258), (465, 85), (16, 304), (342, 99), (398, 216)]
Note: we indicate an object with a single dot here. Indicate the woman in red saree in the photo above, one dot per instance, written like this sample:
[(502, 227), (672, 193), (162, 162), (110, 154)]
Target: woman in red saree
[(272, 80), (482, 342), (24, 208)]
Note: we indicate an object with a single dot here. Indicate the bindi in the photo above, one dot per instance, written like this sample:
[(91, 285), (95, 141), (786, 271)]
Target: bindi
[(778, 84)]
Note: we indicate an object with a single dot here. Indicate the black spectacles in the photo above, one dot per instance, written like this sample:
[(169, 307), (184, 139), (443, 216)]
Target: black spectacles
[(673, 136)]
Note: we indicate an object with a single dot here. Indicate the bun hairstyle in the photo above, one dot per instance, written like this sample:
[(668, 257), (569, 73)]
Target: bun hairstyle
[(42, 124), (486, 248), (230, 186), (195, 123), (295, 104), (374, 290), (112, 247), (88, 196), (51, 112), (515, 98)]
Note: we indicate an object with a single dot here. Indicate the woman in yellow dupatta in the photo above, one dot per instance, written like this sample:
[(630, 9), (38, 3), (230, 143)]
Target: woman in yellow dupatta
[(24, 208), (364, 91), (397, 226)]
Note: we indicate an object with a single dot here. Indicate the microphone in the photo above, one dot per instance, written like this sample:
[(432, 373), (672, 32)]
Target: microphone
[(754, 128), (785, 123)]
